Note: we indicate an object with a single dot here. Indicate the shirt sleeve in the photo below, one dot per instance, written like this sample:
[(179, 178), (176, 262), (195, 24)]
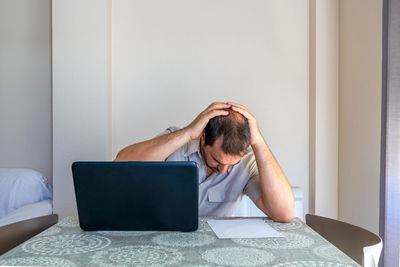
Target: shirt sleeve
[(252, 188), (177, 155), (168, 131)]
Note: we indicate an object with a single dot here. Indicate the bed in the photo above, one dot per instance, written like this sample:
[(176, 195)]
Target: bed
[(25, 206), (24, 194)]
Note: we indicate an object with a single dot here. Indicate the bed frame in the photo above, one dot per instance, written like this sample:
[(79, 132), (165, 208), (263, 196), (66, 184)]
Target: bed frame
[(12, 235)]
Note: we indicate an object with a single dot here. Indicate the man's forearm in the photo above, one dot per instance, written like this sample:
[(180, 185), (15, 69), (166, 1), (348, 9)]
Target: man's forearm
[(159, 148), (277, 194), (156, 149)]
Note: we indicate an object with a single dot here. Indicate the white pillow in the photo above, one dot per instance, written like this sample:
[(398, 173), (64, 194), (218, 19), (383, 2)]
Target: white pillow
[(19, 187)]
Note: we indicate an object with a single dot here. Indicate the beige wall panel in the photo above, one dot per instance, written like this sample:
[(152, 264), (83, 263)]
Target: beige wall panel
[(360, 112)]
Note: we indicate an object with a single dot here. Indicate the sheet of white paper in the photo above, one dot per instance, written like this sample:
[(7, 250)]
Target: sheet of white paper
[(243, 228)]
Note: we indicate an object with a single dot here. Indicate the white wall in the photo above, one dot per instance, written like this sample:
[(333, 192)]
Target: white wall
[(80, 119), (25, 85), (360, 112), (171, 59)]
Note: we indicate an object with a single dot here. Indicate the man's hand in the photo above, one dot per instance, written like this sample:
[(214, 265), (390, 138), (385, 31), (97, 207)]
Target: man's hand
[(197, 126), (255, 134)]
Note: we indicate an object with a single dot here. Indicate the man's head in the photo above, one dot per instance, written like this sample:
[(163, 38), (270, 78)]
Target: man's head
[(224, 141)]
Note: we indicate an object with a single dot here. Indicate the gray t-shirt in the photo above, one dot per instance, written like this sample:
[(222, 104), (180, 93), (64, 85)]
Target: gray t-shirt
[(219, 194)]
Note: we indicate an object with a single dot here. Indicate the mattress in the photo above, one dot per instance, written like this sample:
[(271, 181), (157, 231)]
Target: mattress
[(29, 211)]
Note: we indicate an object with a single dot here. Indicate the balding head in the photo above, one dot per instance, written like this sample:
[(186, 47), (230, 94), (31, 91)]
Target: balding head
[(234, 128)]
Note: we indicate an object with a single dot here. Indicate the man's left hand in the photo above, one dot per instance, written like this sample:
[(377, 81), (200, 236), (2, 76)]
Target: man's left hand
[(255, 134)]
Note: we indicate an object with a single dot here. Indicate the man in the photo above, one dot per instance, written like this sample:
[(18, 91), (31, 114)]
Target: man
[(233, 159)]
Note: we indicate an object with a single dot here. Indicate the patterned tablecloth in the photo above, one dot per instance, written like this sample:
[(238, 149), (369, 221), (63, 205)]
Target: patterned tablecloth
[(65, 244)]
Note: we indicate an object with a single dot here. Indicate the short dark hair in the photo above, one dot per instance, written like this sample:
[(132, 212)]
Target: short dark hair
[(235, 130)]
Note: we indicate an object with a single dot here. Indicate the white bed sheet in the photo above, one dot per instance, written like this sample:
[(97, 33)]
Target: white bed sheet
[(29, 211)]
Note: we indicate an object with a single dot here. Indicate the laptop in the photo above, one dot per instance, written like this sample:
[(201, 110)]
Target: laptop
[(137, 196)]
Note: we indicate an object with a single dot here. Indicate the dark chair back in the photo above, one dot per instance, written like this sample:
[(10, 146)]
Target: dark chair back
[(349, 238)]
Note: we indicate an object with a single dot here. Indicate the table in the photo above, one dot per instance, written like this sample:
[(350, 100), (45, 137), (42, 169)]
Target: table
[(65, 244)]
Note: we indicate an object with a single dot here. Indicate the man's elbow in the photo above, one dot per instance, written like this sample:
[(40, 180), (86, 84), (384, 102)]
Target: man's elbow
[(119, 157), (284, 217), (123, 156)]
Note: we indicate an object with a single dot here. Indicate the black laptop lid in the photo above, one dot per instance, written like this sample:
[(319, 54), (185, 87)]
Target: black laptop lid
[(137, 195)]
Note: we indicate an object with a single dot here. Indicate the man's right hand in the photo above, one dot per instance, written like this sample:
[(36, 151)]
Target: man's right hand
[(197, 126)]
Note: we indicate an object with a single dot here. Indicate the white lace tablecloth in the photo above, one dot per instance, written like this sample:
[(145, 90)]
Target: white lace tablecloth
[(65, 244)]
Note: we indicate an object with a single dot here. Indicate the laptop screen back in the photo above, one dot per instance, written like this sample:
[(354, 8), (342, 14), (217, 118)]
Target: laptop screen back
[(141, 196)]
